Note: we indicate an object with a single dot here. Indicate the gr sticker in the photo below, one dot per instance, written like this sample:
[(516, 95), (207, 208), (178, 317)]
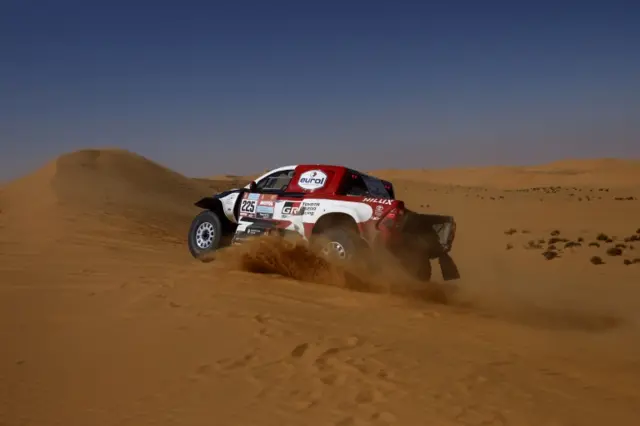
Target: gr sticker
[(291, 208), (248, 206), (313, 179)]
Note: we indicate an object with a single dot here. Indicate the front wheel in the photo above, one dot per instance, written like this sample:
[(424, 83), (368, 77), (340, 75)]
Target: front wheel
[(204, 234)]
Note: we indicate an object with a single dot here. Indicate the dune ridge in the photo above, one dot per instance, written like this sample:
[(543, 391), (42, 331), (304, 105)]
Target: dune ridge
[(591, 173)]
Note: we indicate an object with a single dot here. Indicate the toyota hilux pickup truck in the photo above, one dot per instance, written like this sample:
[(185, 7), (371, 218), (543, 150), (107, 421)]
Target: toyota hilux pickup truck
[(351, 211)]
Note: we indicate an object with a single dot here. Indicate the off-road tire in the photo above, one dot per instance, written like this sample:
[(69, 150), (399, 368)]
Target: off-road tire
[(348, 240), (205, 234)]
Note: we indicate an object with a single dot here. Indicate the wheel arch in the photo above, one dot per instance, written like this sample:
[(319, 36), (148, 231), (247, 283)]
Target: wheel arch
[(336, 220), (215, 205)]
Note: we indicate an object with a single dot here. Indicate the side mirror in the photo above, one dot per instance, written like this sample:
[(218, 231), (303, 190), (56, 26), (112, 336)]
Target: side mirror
[(253, 186)]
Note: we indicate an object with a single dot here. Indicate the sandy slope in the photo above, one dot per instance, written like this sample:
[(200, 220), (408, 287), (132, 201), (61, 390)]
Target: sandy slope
[(105, 318)]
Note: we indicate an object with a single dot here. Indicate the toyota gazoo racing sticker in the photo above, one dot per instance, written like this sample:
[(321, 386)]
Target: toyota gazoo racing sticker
[(309, 208), (312, 179)]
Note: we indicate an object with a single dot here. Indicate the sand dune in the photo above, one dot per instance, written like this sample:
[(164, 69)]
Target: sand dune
[(593, 173), (138, 197), (106, 319)]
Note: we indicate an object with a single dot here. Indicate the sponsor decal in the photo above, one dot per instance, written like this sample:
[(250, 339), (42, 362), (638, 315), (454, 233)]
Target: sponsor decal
[(291, 208), (378, 212), (309, 208), (267, 200), (312, 179), (378, 201), (248, 206), (254, 231), (264, 209), (253, 196), (264, 212)]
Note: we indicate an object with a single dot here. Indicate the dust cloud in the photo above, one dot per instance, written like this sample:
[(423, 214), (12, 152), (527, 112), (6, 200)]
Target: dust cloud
[(293, 258), (381, 273)]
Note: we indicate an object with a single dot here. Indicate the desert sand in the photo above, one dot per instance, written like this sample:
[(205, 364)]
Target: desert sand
[(107, 320)]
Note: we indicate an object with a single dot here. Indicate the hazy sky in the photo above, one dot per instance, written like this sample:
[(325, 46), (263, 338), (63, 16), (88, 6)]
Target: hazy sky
[(209, 87)]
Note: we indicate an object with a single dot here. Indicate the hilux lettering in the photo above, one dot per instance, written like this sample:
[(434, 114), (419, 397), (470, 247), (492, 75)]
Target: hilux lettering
[(378, 201)]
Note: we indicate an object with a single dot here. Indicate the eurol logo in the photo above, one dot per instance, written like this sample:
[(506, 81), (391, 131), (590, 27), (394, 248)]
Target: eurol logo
[(313, 179)]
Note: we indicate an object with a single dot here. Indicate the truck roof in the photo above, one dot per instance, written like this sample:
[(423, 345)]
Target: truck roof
[(325, 179), (314, 165)]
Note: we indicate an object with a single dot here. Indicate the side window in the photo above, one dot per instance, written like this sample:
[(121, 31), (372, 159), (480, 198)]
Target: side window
[(389, 187), (275, 182), (376, 187), (354, 185), (359, 185)]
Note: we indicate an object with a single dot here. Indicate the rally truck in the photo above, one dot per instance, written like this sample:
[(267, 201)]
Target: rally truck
[(347, 211)]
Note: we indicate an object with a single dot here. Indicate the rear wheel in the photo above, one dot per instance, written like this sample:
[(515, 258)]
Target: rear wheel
[(338, 243), (204, 234)]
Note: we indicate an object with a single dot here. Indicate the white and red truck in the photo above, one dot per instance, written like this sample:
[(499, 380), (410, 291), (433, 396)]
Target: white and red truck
[(351, 211)]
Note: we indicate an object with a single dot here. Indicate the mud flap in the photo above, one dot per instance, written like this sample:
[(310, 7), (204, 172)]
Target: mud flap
[(448, 267)]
